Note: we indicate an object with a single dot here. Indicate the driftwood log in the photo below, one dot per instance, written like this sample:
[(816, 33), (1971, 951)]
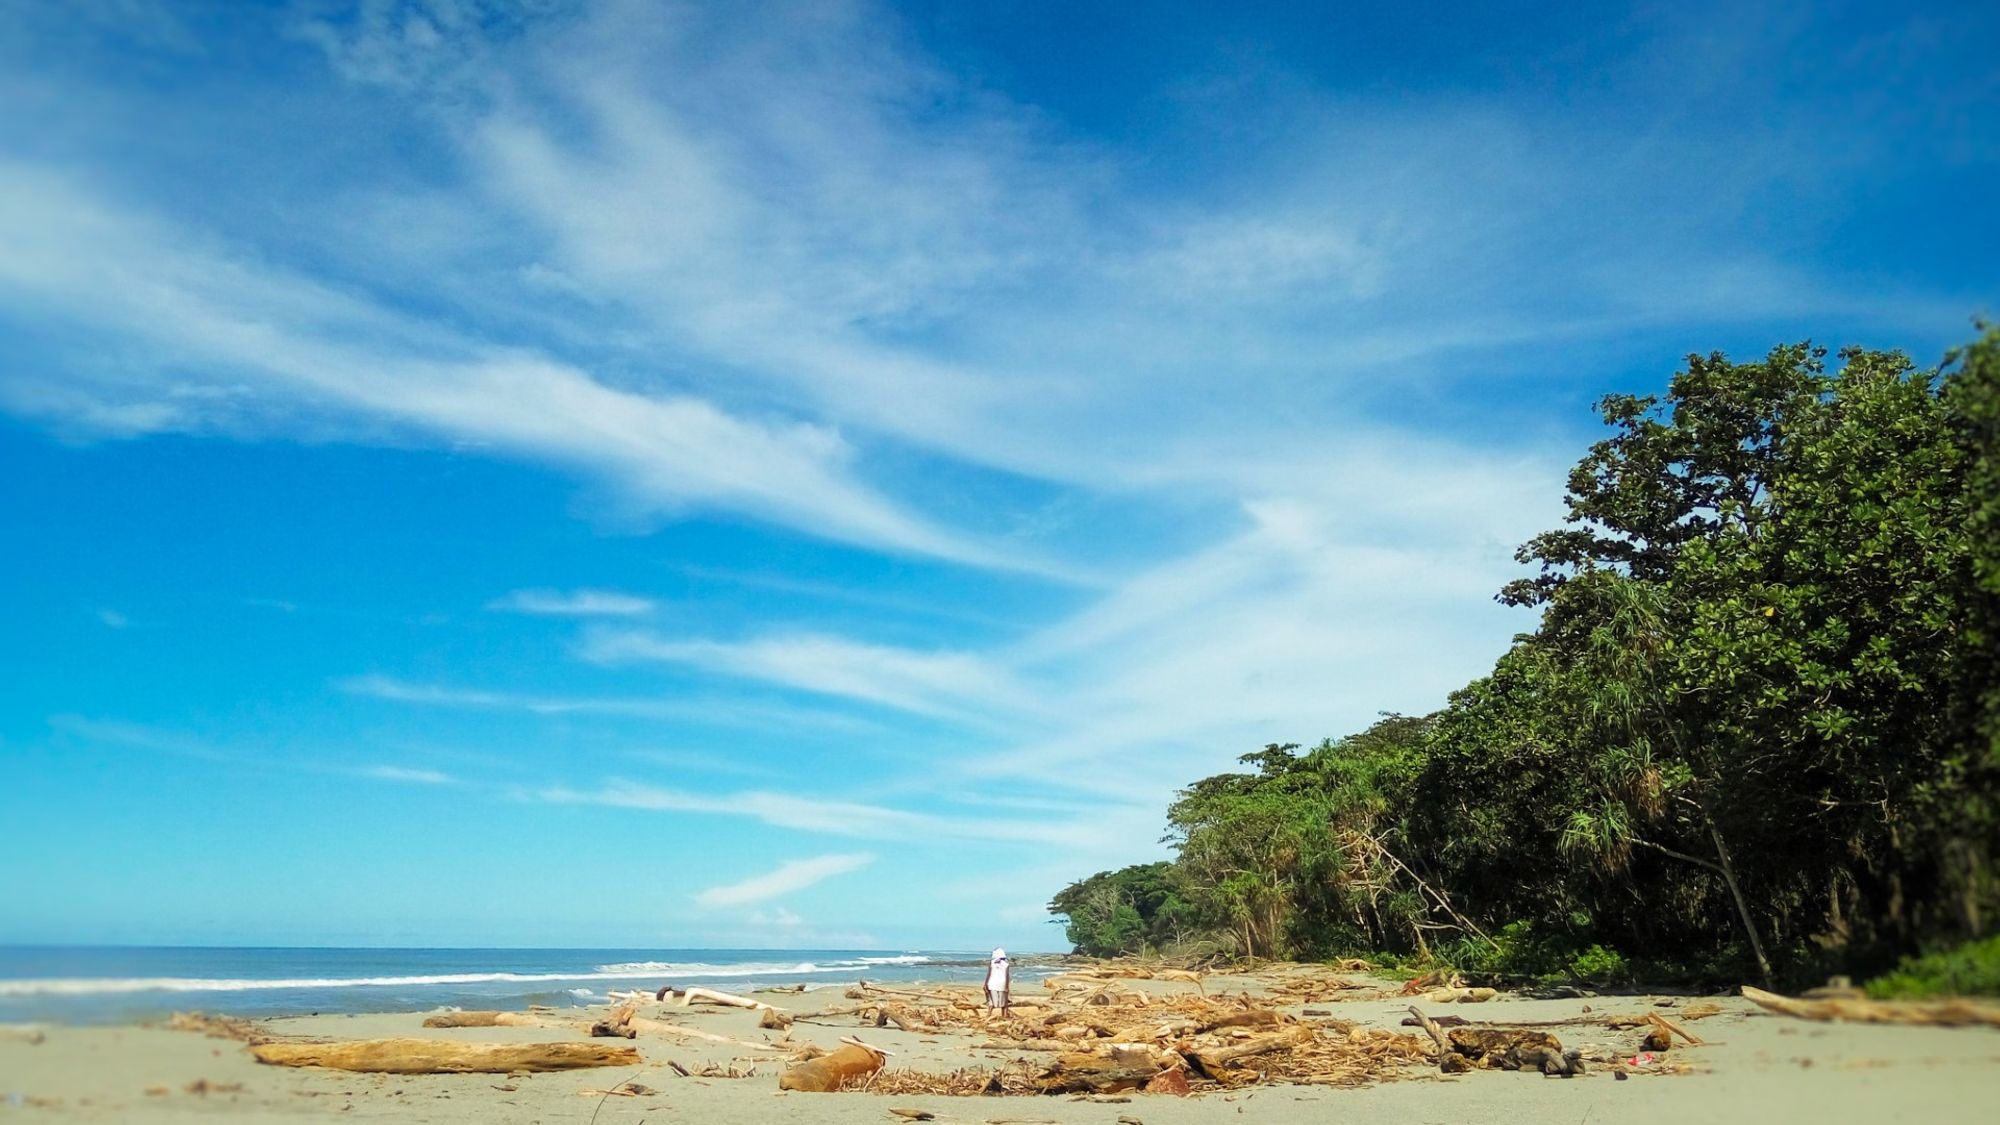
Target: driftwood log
[(618, 1024), (1449, 1061), (646, 1026), (774, 1020), (829, 1072), (1461, 995), (1215, 1061), (490, 1019), (1950, 1012), (711, 996), (885, 1015), (1670, 1029), (1504, 1048), (436, 1056), (1093, 1074), (1254, 1017)]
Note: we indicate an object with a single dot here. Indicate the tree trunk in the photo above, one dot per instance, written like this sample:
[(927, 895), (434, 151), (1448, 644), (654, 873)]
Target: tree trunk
[(1728, 870)]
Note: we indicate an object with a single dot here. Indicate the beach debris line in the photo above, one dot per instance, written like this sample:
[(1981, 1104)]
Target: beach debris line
[(1109, 1040), (439, 1056), (621, 1023), (1947, 1012)]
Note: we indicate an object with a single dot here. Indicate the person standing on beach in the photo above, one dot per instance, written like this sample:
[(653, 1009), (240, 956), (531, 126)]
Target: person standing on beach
[(998, 977)]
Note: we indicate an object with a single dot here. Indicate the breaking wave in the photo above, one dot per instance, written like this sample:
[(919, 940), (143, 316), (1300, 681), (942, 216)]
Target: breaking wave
[(629, 970)]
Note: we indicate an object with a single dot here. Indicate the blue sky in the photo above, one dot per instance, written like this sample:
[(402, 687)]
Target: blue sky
[(825, 474)]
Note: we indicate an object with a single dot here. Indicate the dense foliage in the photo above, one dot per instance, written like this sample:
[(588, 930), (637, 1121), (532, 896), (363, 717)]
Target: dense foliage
[(1757, 730), (1970, 969), (1137, 907)]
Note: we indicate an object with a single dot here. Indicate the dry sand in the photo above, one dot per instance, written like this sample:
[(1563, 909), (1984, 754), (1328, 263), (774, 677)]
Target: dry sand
[(1756, 1068)]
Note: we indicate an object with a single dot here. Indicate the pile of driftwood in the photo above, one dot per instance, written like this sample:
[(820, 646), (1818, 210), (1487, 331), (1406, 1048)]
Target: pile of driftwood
[(1109, 1038), (1131, 972)]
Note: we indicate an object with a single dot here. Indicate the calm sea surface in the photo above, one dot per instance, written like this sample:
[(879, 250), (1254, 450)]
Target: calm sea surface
[(97, 984)]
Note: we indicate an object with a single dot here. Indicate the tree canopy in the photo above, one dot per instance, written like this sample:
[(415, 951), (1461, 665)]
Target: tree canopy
[(1757, 727)]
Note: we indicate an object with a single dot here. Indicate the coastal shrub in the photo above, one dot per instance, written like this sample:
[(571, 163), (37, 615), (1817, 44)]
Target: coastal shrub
[(1523, 951), (1972, 969)]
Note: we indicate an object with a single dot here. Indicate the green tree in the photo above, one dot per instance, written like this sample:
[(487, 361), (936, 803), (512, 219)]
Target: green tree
[(1129, 910)]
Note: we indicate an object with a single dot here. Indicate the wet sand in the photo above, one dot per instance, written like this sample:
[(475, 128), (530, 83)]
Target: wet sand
[(1756, 1068)]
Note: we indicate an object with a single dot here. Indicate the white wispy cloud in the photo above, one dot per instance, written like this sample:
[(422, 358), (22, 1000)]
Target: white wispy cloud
[(726, 711), (792, 875), (955, 684), (861, 820), (407, 774), (1303, 625), (138, 736), (142, 736), (112, 619), (288, 344), (574, 603)]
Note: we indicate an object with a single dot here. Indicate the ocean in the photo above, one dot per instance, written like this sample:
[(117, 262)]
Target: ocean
[(106, 984)]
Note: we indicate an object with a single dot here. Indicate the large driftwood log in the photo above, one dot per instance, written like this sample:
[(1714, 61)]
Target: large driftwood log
[(1254, 1017), (1093, 1074), (1505, 1048), (660, 1027), (1950, 1012), (711, 996), (1214, 1061), (862, 989), (1460, 995), (436, 1056), (829, 1072), (492, 1019)]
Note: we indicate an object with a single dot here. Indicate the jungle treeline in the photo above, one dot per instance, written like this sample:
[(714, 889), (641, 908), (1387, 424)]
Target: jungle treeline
[(1755, 734)]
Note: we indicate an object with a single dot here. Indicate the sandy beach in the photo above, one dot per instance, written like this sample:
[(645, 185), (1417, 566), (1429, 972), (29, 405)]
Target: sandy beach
[(1754, 1066)]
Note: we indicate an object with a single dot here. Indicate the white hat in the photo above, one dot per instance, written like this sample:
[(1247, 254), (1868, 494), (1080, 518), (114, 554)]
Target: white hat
[(999, 955)]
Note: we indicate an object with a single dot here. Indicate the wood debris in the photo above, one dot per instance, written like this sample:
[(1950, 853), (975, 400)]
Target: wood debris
[(1948, 1012), (1106, 1042), (438, 1056), (218, 1027)]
